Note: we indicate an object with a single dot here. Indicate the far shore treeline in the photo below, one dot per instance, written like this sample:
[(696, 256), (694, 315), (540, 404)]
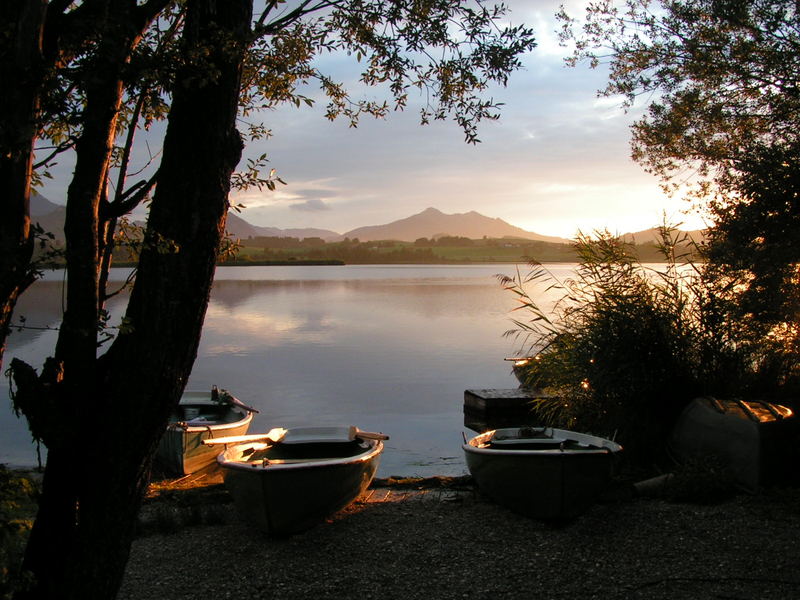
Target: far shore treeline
[(289, 251), (279, 251), (464, 238), (446, 249)]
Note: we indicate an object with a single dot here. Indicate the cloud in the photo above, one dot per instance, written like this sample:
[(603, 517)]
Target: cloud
[(310, 205), (558, 158), (300, 195), (255, 198)]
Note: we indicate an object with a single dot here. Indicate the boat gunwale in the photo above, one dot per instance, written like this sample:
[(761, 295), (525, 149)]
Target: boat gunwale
[(202, 399), (213, 426), (603, 446), (302, 464), (554, 452)]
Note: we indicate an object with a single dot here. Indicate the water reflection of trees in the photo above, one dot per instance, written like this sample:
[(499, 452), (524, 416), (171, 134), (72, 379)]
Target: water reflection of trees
[(40, 309), (428, 297)]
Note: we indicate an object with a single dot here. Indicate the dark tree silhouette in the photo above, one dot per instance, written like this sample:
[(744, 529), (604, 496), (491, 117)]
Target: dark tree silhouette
[(84, 73)]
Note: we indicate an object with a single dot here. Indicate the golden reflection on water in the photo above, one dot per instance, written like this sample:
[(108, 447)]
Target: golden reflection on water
[(246, 329)]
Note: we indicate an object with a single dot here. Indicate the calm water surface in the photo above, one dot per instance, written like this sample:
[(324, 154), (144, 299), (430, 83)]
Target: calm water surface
[(388, 348)]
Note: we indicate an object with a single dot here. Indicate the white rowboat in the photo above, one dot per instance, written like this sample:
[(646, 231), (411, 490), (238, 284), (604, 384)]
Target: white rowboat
[(294, 478), (541, 472)]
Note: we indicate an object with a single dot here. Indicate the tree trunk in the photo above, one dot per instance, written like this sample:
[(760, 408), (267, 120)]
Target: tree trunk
[(95, 480), (76, 349), (20, 63)]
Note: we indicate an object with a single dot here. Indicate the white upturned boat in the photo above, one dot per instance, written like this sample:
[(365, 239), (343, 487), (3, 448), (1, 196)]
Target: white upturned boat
[(288, 480), (541, 472), (754, 441), (200, 416)]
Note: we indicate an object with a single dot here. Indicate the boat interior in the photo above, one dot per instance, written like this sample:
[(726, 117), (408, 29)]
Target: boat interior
[(534, 438), (544, 444), (305, 451), (205, 413)]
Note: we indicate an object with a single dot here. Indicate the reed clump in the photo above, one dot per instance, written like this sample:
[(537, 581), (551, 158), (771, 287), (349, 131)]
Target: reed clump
[(627, 345)]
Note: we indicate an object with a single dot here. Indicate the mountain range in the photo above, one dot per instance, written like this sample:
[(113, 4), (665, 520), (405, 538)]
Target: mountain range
[(431, 223)]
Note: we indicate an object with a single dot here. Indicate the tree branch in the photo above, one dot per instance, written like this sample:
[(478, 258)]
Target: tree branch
[(63, 147)]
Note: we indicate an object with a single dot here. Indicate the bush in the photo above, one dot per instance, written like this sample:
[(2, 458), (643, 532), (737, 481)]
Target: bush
[(628, 345)]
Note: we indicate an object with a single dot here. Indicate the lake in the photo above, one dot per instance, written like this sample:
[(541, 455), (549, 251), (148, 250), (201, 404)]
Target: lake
[(387, 348)]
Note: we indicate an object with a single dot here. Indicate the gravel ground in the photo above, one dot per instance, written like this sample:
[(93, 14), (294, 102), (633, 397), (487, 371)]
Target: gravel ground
[(460, 545)]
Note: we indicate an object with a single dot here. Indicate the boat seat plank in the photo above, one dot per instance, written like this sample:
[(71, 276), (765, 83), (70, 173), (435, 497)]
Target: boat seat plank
[(547, 441)]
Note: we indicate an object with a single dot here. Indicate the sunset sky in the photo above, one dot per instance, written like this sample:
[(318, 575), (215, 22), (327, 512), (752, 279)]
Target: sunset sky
[(557, 161)]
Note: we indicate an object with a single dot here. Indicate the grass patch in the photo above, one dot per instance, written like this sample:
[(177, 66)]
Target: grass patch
[(169, 508), (18, 505)]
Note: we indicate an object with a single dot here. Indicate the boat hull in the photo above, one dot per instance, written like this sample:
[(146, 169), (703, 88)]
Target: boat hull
[(751, 440), (181, 450), (549, 482), (285, 496)]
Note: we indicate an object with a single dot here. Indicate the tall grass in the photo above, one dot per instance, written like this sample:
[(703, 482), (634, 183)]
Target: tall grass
[(627, 345)]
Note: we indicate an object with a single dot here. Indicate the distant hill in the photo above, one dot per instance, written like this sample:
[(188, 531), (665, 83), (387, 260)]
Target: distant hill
[(651, 236), (432, 223), (240, 228), (49, 215), (42, 206)]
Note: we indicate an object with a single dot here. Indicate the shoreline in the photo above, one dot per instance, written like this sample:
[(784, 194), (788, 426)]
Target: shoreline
[(436, 538), (343, 263)]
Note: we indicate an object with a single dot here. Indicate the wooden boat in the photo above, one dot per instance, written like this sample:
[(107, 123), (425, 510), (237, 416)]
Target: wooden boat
[(541, 472), (752, 440), (200, 416), (288, 480)]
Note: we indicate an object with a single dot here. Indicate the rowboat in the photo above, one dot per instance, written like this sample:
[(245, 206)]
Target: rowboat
[(541, 472), (752, 440), (288, 480), (200, 415)]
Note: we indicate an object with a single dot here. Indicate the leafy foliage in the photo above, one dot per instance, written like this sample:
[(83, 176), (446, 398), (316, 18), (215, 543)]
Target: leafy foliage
[(757, 236), (720, 76), (447, 52), (252, 177)]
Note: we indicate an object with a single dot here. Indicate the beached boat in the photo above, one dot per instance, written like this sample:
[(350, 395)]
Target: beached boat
[(200, 415), (754, 442), (541, 472), (288, 480)]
